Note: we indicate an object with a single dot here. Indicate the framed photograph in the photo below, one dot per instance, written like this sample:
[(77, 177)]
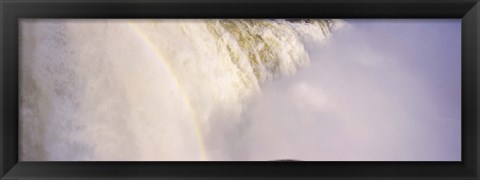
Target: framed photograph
[(239, 89)]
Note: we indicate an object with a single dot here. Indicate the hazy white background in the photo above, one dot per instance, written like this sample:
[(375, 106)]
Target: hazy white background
[(376, 90)]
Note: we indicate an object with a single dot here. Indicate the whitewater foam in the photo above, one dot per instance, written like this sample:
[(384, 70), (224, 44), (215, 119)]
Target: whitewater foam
[(148, 87)]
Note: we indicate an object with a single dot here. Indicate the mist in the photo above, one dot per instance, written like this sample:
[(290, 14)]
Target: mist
[(376, 90)]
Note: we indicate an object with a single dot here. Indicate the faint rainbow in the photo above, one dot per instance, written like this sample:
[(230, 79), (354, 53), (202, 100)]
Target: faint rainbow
[(193, 115)]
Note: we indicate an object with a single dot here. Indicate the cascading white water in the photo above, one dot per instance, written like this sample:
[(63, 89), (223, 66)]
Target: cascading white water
[(148, 89)]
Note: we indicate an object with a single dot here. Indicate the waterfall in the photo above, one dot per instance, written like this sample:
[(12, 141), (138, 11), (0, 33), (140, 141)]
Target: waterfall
[(148, 89)]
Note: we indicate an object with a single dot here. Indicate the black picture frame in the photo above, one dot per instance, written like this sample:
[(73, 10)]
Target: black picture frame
[(12, 10)]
